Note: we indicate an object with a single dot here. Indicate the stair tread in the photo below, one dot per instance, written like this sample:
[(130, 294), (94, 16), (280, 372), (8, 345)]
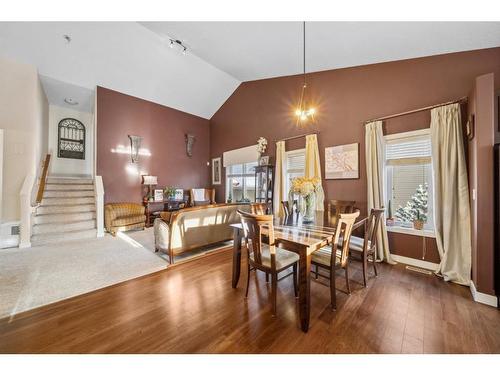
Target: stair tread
[(47, 238), (67, 222), (63, 213), (66, 233)]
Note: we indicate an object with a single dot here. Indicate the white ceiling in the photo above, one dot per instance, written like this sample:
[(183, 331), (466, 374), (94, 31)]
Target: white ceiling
[(256, 50), (134, 58), (122, 56), (57, 91)]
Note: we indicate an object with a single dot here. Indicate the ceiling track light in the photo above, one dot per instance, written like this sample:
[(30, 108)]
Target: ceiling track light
[(179, 45)]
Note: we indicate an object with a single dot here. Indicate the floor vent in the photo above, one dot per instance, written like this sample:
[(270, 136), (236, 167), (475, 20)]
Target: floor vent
[(418, 269)]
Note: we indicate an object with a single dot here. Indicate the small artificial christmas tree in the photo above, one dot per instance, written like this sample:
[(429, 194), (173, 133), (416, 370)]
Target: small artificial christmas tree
[(416, 208)]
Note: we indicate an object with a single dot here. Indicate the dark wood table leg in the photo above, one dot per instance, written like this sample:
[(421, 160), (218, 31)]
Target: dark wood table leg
[(304, 290), (237, 237)]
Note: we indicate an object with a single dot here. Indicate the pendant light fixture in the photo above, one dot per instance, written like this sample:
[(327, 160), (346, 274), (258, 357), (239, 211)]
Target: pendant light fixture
[(304, 112)]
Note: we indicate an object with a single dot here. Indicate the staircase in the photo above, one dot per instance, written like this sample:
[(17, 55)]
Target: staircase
[(66, 212)]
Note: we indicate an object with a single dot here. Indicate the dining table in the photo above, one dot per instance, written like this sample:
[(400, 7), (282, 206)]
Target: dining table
[(293, 233)]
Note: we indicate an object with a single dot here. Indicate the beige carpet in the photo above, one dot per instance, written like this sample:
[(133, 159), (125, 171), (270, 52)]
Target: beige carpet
[(41, 275)]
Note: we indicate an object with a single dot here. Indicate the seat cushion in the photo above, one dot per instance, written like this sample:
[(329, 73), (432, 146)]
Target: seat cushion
[(356, 244), (127, 220), (324, 256), (284, 258)]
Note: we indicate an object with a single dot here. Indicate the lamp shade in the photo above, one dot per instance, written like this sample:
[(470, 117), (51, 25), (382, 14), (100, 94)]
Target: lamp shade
[(149, 180)]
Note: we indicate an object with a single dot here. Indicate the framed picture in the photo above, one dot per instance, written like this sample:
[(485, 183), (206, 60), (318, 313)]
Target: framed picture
[(342, 162), (158, 195), (264, 160), (216, 171), (179, 194)]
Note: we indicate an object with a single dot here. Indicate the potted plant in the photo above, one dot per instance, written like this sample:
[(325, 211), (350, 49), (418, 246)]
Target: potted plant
[(169, 192), (261, 148), (416, 208), (390, 220)]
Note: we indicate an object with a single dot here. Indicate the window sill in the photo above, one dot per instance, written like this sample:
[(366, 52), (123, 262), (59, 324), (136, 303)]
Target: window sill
[(411, 231)]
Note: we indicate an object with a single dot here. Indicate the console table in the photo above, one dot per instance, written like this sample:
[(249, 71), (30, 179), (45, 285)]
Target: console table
[(153, 208)]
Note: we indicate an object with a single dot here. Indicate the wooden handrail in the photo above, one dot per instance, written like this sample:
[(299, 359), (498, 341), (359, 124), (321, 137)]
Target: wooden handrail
[(43, 178)]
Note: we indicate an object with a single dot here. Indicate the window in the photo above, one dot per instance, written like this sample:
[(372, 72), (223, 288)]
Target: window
[(295, 166), (408, 165), (240, 182)]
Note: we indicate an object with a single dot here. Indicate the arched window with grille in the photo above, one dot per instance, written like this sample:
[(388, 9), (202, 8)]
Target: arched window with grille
[(71, 139)]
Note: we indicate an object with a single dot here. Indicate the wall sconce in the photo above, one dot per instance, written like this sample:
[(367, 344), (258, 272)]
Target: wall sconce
[(135, 144), (189, 144)]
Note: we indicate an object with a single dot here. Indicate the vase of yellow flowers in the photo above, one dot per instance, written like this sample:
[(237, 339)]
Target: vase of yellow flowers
[(306, 188)]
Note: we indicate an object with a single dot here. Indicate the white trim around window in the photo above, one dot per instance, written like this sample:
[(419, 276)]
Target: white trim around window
[(410, 134), (411, 231)]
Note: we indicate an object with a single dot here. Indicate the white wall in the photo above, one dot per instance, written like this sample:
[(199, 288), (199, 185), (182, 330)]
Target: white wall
[(70, 167), (23, 116)]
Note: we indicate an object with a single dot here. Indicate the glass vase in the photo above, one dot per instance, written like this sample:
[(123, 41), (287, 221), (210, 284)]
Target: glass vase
[(309, 208)]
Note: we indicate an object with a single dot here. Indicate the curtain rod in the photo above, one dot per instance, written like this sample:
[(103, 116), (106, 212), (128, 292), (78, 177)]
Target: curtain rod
[(461, 100), (296, 136)]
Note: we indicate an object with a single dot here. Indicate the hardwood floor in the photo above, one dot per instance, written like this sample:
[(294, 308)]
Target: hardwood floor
[(191, 308)]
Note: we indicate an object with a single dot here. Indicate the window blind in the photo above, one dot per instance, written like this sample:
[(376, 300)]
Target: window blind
[(240, 156), (410, 150), (295, 161)]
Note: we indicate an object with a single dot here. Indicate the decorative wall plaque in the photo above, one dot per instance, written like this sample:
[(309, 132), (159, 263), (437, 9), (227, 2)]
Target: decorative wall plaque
[(135, 145), (189, 144), (71, 139)]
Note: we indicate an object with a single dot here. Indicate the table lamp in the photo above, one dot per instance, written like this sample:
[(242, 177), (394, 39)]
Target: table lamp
[(150, 181)]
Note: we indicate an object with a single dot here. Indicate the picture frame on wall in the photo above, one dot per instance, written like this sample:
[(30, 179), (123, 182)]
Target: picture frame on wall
[(216, 171), (342, 162), (158, 195), (179, 194)]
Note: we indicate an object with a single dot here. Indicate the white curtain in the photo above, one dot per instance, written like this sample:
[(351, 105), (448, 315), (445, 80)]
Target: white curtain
[(279, 179), (451, 195), (313, 168), (375, 156)]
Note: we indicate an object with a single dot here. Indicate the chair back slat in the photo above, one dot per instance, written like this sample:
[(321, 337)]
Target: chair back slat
[(372, 227), (342, 237), (254, 226), (337, 207), (258, 208)]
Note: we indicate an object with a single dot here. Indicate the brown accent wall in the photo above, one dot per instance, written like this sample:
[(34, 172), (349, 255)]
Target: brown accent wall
[(162, 129), (482, 106), (344, 99)]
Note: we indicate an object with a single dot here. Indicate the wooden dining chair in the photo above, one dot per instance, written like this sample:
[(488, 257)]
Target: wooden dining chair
[(258, 208), (338, 207), (266, 257), (338, 258), (366, 247)]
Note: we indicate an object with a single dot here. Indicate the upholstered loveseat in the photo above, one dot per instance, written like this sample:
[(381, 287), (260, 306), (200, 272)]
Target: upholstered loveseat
[(195, 227), (123, 216)]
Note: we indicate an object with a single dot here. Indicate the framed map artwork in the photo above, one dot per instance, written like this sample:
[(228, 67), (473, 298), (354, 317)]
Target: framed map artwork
[(342, 162)]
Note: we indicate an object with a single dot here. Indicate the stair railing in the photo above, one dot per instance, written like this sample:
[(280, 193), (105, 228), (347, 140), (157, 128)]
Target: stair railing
[(43, 179), (27, 206)]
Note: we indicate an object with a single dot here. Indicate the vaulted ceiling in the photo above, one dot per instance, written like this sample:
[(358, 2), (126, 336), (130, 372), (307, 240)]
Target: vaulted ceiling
[(134, 58), (256, 50), (122, 56)]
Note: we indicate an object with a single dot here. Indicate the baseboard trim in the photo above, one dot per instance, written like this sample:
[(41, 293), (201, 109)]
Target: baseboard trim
[(24, 245), (415, 262), (484, 298)]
